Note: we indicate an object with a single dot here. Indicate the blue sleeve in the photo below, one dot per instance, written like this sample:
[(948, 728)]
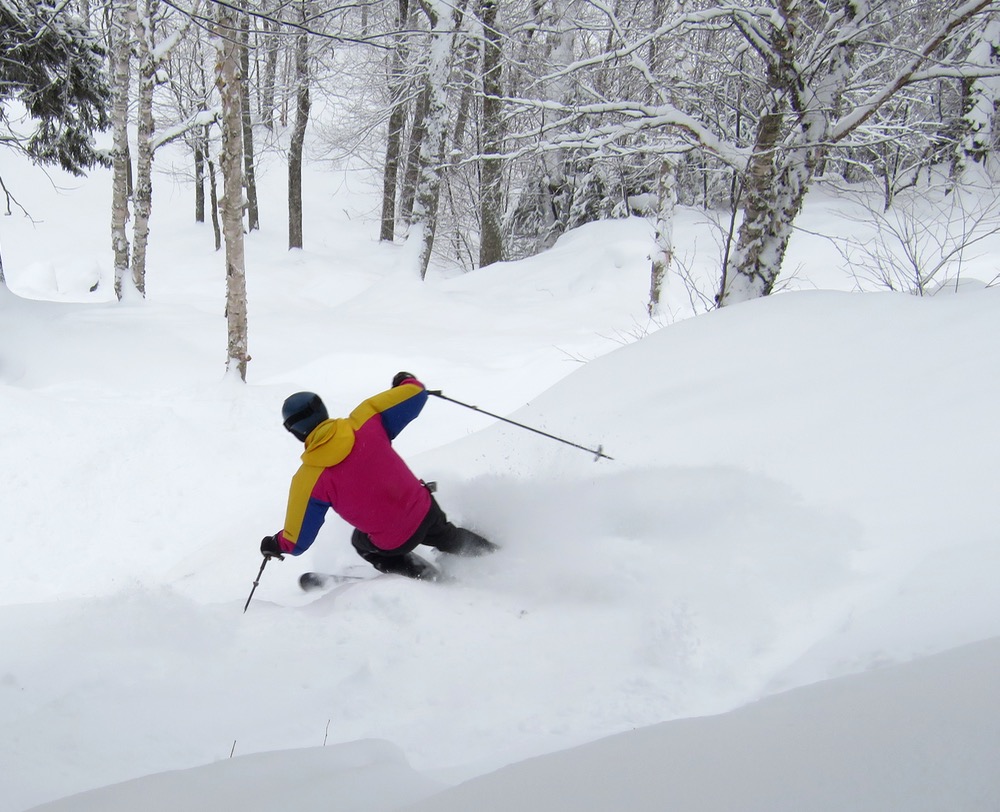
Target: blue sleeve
[(311, 523), (398, 417), (396, 406)]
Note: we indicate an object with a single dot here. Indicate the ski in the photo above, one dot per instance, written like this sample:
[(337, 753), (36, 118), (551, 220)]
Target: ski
[(310, 581), (419, 569)]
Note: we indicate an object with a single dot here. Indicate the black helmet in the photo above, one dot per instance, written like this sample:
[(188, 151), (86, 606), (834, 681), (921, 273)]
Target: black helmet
[(302, 412)]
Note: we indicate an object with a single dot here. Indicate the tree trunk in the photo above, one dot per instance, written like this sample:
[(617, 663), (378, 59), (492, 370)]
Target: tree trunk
[(784, 163), (267, 93), (491, 248), (199, 179), (979, 101), (143, 30), (227, 79), (214, 199), (249, 176), (663, 255), (428, 189), (754, 269), (417, 132), (397, 123), (554, 187), (467, 79), (302, 105), (393, 147), (120, 58)]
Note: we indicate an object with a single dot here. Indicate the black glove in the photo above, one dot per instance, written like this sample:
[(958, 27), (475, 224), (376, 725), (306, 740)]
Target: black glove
[(402, 376), (269, 548)]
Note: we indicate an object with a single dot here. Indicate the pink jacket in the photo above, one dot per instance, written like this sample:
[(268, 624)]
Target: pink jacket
[(350, 465)]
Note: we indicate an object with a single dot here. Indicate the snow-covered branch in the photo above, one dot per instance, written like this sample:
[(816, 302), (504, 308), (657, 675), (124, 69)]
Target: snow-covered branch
[(908, 74), (637, 118), (199, 119)]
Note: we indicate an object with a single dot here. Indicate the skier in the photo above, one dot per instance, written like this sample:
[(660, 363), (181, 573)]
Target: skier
[(350, 465)]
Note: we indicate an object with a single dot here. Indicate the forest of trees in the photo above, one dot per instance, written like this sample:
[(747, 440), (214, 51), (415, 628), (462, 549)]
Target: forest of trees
[(494, 126)]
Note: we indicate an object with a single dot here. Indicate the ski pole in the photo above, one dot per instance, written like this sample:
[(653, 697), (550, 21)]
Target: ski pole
[(254, 588), (598, 452)]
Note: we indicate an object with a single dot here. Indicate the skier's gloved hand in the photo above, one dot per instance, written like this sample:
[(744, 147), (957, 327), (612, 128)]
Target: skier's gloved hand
[(402, 376), (269, 548)]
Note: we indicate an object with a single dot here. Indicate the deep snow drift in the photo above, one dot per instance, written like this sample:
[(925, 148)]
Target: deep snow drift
[(803, 489)]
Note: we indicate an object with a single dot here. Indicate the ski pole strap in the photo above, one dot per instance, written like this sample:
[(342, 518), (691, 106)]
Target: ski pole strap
[(597, 452)]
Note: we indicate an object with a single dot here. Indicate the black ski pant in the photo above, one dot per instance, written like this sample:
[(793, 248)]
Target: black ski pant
[(435, 531)]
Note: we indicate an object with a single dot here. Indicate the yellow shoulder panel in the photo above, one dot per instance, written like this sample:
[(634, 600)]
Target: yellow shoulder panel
[(382, 402), (298, 499)]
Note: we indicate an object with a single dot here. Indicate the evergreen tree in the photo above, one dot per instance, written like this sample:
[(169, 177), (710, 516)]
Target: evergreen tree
[(51, 66)]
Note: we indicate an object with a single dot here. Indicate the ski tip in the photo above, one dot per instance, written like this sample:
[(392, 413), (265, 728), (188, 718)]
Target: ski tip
[(311, 580)]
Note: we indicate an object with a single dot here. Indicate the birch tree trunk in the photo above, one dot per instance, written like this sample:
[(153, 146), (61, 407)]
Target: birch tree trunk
[(980, 98), (777, 179), (302, 104), (227, 80), (491, 248), (440, 14), (663, 252), (806, 94), (769, 208), (120, 55), (143, 29)]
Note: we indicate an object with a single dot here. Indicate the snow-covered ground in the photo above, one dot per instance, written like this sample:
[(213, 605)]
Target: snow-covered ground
[(780, 594)]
